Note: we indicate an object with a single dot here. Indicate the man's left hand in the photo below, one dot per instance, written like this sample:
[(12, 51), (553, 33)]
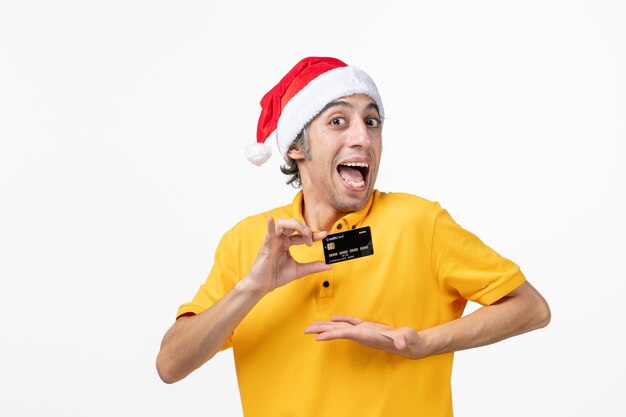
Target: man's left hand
[(404, 341)]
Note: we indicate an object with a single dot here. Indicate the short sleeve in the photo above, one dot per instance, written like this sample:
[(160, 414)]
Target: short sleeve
[(464, 266), (221, 280)]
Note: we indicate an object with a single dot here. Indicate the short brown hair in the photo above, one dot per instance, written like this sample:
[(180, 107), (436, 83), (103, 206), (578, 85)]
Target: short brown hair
[(291, 167)]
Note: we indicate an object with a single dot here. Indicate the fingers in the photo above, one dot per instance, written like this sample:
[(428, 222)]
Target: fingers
[(287, 228), (319, 327), (347, 319), (298, 239), (370, 334), (340, 327), (337, 322), (328, 330), (294, 231)]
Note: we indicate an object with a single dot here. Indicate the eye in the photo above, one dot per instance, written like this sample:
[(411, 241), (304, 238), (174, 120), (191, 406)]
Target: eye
[(337, 121), (373, 122)]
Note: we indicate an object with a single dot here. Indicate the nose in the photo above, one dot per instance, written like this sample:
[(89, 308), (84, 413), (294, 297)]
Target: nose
[(359, 135)]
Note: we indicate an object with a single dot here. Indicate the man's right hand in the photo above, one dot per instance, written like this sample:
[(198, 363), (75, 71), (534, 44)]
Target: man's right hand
[(192, 341), (274, 266)]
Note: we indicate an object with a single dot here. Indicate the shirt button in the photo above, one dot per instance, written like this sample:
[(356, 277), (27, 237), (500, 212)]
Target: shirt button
[(339, 226), (326, 284)]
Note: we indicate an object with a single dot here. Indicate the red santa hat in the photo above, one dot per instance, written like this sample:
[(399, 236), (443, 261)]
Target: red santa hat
[(300, 96)]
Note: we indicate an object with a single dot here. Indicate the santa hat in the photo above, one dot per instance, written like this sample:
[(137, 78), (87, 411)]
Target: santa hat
[(300, 96)]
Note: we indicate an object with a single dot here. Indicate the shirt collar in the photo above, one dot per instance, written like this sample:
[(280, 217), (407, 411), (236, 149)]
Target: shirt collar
[(346, 222)]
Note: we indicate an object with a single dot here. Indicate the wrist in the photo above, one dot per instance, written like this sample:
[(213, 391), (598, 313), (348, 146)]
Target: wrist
[(432, 342), (251, 288)]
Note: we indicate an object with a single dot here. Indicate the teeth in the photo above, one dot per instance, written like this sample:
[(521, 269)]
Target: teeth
[(354, 184), (356, 164)]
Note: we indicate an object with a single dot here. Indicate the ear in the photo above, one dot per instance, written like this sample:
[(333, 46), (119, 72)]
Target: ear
[(296, 154)]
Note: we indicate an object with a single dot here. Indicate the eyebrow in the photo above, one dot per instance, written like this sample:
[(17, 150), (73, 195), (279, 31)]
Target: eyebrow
[(341, 103)]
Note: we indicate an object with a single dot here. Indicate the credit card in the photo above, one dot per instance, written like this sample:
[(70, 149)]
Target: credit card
[(351, 244)]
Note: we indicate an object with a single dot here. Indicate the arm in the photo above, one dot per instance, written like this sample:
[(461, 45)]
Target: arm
[(193, 340), (523, 310)]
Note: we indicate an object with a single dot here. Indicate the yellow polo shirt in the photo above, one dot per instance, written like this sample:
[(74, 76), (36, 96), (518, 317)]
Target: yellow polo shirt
[(423, 270)]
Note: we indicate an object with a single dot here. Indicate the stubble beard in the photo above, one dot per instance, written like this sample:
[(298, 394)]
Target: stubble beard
[(348, 207)]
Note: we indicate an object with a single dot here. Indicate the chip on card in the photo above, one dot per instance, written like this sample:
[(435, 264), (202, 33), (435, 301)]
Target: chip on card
[(348, 245)]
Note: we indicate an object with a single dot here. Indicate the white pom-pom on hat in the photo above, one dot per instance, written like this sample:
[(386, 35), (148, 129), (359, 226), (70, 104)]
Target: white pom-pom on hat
[(300, 95), (258, 153)]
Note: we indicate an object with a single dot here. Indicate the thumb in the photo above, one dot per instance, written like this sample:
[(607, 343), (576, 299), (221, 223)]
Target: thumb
[(312, 268), (399, 341), (319, 235), (271, 229)]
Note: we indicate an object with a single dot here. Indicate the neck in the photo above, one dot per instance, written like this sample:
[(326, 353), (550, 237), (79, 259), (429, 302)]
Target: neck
[(319, 215)]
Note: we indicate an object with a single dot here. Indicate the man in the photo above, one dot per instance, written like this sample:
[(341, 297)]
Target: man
[(371, 336)]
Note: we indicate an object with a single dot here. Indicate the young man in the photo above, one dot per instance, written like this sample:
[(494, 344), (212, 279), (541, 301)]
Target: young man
[(371, 336)]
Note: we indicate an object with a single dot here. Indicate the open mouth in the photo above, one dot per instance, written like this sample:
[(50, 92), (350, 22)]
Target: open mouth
[(354, 173)]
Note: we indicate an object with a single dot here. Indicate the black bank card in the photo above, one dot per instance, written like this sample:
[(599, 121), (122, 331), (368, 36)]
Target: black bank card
[(348, 245)]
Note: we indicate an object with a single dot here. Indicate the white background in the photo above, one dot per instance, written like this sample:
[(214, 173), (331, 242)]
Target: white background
[(122, 128)]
